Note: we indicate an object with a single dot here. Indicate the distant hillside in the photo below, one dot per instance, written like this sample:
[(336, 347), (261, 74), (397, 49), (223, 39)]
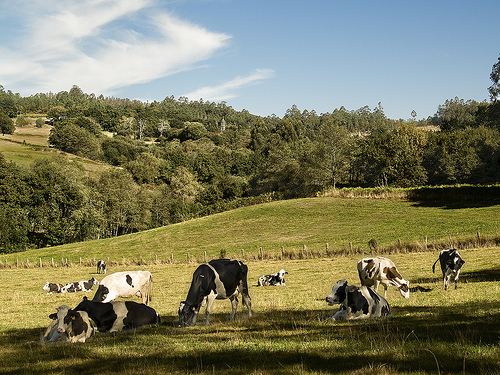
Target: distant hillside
[(30, 143), (344, 223)]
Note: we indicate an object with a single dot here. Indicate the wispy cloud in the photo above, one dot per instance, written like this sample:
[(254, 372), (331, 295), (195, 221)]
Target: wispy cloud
[(100, 45), (228, 89)]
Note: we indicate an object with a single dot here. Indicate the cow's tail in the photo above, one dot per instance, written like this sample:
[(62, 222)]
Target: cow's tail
[(434, 266)]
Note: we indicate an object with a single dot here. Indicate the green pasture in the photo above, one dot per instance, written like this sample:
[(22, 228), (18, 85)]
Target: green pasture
[(455, 331), (344, 224)]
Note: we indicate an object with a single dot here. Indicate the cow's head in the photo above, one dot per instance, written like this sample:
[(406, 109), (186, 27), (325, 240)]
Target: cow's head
[(46, 286), (281, 274), (94, 281), (60, 315), (101, 294), (187, 314), (338, 294)]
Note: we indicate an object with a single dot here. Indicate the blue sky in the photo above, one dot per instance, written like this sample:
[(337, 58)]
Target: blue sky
[(262, 56)]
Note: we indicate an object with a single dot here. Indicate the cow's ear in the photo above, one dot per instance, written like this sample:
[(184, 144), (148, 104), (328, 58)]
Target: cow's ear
[(193, 308), (53, 316)]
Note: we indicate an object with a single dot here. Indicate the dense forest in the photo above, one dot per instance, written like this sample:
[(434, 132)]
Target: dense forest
[(178, 159)]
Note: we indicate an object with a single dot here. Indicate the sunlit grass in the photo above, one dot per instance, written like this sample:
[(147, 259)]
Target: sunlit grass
[(289, 333)]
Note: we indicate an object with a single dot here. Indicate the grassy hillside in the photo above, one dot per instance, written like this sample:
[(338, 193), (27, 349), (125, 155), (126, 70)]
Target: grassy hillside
[(313, 222), (30, 143)]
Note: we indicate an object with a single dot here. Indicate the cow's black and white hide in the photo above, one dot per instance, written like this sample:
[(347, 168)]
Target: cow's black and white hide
[(378, 270), (357, 302), (116, 316), (68, 325), (52, 287), (101, 266), (275, 279), (80, 286), (217, 279), (451, 262), (125, 284)]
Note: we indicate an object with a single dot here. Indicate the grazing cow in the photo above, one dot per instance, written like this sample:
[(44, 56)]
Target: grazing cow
[(277, 278), (101, 266), (378, 270), (116, 316), (217, 279), (80, 286), (357, 302), (125, 284), (52, 288), (451, 262)]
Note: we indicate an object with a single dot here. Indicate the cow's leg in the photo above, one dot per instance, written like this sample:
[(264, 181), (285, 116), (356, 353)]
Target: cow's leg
[(210, 300), (234, 305), (247, 301), (456, 279)]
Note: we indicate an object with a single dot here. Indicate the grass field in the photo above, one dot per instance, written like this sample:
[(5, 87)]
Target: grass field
[(30, 143), (313, 222), (290, 333)]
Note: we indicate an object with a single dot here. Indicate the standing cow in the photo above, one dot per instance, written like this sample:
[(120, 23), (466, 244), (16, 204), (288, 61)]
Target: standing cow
[(451, 262), (357, 303), (125, 284), (116, 316), (217, 279), (275, 279), (377, 270), (101, 266), (69, 325)]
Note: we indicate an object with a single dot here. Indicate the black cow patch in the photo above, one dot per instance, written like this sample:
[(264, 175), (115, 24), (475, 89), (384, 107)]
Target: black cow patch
[(129, 280)]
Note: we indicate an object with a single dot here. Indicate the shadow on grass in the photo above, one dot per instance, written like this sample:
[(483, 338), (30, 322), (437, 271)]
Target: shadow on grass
[(456, 197), (276, 342)]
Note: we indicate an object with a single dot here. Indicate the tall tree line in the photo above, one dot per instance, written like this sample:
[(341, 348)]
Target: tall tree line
[(178, 159)]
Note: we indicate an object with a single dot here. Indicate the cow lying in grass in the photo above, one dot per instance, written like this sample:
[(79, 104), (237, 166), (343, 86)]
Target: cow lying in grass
[(69, 325), (116, 316), (275, 279), (357, 302), (52, 287)]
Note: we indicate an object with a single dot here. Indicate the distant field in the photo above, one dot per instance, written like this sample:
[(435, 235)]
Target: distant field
[(341, 223), (30, 143)]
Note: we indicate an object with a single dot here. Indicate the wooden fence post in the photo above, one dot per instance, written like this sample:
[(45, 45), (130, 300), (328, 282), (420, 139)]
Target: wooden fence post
[(304, 250), (261, 255), (40, 262), (205, 256), (350, 247), (327, 248), (282, 251)]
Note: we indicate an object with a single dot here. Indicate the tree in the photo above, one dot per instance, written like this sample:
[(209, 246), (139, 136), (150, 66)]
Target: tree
[(6, 124), (332, 154), (494, 89)]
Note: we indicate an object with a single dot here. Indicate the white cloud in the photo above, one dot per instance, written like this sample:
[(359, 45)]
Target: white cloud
[(227, 90), (101, 45)]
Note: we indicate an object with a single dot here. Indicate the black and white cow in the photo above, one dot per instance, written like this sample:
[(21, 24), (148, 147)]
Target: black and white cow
[(69, 325), (101, 266), (125, 284), (451, 262), (116, 316), (277, 278), (52, 287), (217, 279), (357, 302), (80, 286), (378, 270)]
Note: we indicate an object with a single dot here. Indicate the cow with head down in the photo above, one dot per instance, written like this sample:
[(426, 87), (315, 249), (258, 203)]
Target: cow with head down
[(69, 325), (125, 284), (357, 302), (217, 279), (378, 270), (451, 262)]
